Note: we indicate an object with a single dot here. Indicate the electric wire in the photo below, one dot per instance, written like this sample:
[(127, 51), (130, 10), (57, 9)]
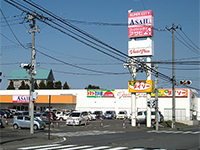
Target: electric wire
[(12, 31), (148, 68)]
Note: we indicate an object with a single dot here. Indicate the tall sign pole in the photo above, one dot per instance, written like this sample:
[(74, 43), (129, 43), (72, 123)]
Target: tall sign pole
[(133, 95), (140, 25), (32, 69), (148, 74)]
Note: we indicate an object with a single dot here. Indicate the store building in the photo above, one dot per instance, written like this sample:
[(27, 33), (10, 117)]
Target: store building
[(187, 104)]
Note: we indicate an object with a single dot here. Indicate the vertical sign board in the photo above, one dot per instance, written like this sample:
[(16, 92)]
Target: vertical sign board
[(141, 48), (140, 24)]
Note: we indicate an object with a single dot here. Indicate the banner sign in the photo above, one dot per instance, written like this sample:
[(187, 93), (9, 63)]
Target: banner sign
[(21, 99), (140, 24), (146, 86), (100, 93), (168, 93), (140, 48)]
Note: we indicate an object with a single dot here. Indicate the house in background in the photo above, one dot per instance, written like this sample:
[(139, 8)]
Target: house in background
[(19, 75)]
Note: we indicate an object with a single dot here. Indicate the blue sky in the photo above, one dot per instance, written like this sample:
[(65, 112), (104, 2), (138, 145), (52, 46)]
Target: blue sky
[(86, 14)]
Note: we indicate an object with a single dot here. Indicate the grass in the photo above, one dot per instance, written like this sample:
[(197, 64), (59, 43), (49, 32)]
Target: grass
[(169, 123)]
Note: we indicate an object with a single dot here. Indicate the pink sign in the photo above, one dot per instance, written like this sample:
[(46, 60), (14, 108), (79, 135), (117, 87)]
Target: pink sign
[(140, 24)]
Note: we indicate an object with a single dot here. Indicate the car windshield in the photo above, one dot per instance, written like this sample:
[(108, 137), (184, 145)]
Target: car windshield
[(75, 115), (108, 112), (121, 112), (152, 113), (96, 112), (36, 119)]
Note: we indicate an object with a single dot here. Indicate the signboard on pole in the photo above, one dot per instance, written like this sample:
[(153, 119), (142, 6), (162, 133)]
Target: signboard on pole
[(146, 86), (140, 24), (140, 48)]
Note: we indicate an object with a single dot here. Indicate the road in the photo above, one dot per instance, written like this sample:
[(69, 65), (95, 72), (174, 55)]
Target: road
[(113, 135)]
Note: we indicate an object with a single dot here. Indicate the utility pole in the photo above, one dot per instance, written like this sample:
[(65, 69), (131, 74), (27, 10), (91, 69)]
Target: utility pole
[(173, 28), (156, 96), (32, 70)]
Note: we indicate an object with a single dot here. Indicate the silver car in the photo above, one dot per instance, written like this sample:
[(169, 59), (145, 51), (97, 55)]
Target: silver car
[(24, 122)]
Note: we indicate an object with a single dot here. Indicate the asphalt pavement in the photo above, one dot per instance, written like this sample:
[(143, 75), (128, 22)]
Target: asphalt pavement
[(11, 138)]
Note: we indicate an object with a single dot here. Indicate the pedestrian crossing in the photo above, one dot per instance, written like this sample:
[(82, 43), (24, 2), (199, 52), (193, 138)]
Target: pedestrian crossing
[(84, 133), (81, 147), (175, 132)]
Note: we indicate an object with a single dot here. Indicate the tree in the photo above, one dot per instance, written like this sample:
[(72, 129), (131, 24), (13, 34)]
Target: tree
[(36, 85), (58, 85), (92, 87), (50, 85), (42, 85), (11, 86), (22, 86), (65, 86), (27, 86)]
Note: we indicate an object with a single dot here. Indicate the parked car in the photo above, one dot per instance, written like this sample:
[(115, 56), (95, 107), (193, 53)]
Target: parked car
[(141, 116), (21, 113), (110, 115), (91, 116), (9, 114), (3, 114), (122, 114), (1, 123), (24, 122), (38, 116), (99, 114), (77, 118), (64, 116), (45, 117), (54, 116)]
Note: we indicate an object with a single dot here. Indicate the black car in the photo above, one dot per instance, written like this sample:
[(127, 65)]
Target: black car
[(45, 116), (1, 123), (99, 114)]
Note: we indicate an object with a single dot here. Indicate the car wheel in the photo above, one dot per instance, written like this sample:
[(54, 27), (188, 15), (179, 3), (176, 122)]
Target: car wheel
[(35, 127), (15, 126), (79, 123)]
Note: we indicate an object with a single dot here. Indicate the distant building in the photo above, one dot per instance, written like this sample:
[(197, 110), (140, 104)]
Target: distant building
[(19, 75)]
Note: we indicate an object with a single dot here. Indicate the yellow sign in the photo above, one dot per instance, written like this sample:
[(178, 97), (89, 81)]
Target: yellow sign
[(146, 86)]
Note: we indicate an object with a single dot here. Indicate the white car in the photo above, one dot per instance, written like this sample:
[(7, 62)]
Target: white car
[(59, 113), (91, 116), (64, 116), (141, 116), (77, 118), (122, 114)]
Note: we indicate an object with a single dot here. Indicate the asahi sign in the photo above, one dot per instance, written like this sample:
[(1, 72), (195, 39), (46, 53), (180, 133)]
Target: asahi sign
[(140, 24), (140, 48)]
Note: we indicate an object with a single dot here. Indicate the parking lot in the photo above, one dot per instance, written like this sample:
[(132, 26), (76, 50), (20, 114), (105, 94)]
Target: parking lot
[(101, 124)]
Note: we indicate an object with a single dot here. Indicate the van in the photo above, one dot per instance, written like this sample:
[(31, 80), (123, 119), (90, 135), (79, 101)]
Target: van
[(141, 116), (77, 118)]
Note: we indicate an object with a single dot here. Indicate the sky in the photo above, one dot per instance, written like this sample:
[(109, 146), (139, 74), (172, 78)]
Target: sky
[(106, 20)]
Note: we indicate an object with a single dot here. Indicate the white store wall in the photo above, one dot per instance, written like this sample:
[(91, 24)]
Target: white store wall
[(121, 101)]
